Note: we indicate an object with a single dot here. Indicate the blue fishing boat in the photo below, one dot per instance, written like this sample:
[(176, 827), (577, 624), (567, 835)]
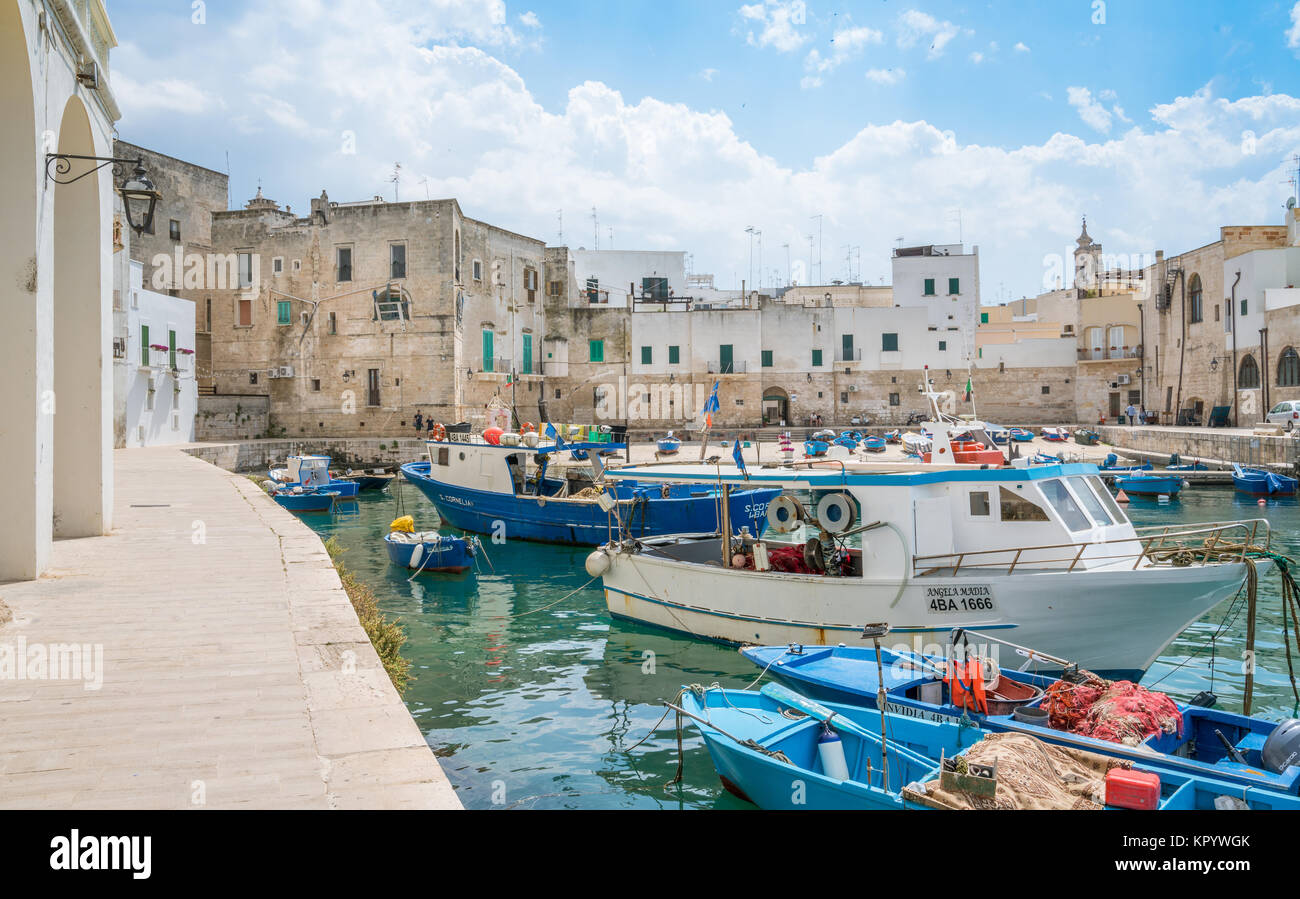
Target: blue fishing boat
[(894, 436), (365, 481), (873, 444), (668, 444), (846, 440), (1203, 742), (1110, 465), (481, 487), (815, 447), (780, 750), (1056, 435), (430, 551), (1020, 435), (312, 471), (1041, 458), (301, 499), (1262, 482), (1141, 483), (997, 434)]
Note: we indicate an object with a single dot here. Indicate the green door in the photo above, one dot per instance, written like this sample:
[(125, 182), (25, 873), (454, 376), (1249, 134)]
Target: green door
[(487, 350), (724, 359), (144, 345), (528, 354), (171, 345)]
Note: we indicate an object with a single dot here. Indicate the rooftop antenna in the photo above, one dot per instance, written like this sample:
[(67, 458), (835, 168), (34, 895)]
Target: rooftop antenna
[(425, 182), (397, 181), (559, 213), (818, 216), (595, 226)]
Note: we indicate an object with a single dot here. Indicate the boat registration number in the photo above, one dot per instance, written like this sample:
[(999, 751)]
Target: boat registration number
[(959, 598)]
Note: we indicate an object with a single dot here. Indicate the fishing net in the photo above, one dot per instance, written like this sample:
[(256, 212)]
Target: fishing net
[(1030, 775), (788, 559), (1115, 711), (405, 524)]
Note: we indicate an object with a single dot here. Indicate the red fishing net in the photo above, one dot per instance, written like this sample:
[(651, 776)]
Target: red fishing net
[(784, 558), (1115, 711)]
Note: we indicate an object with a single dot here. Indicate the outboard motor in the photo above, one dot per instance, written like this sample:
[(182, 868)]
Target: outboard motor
[(1282, 748)]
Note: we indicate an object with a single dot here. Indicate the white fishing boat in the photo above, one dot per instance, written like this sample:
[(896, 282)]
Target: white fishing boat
[(1044, 556)]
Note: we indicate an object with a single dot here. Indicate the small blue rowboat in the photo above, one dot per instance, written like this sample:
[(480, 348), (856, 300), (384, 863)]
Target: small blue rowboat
[(894, 436), (1056, 435), (773, 748), (668, 445), (845, 440), (1142, 484), (873, 444), (430, 551), (997, 434), (815, 447), (306, 501), (312, 471), (1111, 464), (1260, 482), (1041, 458), (914, 686), (1020, 435)]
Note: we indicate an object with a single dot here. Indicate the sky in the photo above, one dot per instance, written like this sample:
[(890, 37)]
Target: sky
[(836, 130)]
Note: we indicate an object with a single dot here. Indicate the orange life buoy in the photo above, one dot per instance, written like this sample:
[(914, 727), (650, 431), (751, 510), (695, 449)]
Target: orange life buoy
[(439, 432), (493, 435), (528, 428)]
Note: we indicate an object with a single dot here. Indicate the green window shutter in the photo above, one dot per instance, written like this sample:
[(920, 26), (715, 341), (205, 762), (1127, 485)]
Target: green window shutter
[(596, 350), (674, 355), (528, 355), (282, 312), (817, 358), (487, 350), (889, 343), (646, 355), (929, 287), (954, 286), (726, 365), (984, 318), (144, 344), (943, 345), (767, 358), (171, 348), (1243, 305)]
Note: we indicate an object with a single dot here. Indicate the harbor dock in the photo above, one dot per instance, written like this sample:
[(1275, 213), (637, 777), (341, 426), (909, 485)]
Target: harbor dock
[(221, 663)]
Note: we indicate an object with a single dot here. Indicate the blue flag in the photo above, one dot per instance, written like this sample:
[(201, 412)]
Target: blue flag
[(554, 434), (739, 457), (710, 406)]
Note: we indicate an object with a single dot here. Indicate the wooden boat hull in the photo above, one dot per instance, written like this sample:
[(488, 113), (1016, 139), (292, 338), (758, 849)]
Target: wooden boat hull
[(443, 554)]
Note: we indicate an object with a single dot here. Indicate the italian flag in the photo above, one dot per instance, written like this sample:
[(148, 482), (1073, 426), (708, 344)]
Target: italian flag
[(510, 379), (970, 388)]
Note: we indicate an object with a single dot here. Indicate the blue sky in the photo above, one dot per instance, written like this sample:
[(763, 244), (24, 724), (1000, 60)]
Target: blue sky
[(684, 123)]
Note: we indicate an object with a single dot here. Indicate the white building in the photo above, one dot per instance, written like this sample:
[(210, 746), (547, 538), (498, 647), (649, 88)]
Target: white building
[(614, 276), (155, 390), (56, 399), (945, 281)]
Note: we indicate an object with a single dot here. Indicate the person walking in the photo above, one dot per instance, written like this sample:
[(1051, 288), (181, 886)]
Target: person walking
[(1131, 412)]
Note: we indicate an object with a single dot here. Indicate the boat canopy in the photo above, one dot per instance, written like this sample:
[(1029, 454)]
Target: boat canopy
[(837, 474)]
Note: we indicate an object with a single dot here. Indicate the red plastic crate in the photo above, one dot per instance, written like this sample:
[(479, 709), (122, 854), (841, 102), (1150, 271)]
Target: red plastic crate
[(1126, 788)]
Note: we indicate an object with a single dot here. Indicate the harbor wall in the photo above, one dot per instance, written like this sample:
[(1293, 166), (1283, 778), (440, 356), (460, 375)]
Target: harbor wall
[(1205, 443), (232, 417)]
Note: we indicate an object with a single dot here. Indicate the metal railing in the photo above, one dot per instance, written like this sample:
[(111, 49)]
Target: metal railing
[(1204, 544), (854, 355), (729, 368)]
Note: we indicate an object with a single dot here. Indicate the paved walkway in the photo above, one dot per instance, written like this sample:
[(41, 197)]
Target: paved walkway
[(234, 671)]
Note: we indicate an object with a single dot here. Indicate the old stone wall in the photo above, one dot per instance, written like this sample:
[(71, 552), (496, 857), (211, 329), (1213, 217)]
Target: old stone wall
[(232, 417)]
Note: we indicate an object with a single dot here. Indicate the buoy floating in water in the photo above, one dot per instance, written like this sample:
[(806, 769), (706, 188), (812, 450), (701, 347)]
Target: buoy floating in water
[(1262, 502), (1121, 497)]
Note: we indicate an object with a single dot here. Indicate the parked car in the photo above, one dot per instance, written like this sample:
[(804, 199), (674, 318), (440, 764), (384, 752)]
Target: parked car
[(1285, 413)]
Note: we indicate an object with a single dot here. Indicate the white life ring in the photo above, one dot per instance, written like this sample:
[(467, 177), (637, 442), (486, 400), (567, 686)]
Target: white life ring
[(836, 512)]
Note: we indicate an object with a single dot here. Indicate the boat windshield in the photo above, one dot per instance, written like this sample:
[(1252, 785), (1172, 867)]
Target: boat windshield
[(1065, 506), (1107, 500), (1090, 501)]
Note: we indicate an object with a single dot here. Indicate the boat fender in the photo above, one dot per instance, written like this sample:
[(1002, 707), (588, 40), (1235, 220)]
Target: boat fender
[(598, 563), (836, 512), (1282, 748), (830, 749), (784, 514)]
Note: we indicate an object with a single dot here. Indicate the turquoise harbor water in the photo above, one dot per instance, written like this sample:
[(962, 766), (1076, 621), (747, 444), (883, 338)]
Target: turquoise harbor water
[(532, 699)]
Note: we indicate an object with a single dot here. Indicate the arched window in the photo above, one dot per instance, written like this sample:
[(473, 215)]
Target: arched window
[(1194, 294), (1288, 368), (1248, 376)]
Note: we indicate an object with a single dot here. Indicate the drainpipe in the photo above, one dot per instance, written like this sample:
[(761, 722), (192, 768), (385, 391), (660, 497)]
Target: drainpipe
[(1142, 360), (1182, 344), (1232, 310), (1263, 373)]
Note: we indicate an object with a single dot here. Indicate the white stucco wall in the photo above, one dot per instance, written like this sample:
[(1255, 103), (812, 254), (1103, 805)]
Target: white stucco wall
[(159, 404)]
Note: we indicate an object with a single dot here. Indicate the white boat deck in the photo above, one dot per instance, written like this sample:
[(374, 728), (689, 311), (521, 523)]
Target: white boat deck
[(235, 673)]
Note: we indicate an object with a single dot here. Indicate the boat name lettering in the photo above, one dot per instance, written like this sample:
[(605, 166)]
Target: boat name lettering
[(458, 500), (960, 598)]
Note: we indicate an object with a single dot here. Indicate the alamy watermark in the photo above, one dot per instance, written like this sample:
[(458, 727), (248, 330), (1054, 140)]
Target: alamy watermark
[(20, 660)]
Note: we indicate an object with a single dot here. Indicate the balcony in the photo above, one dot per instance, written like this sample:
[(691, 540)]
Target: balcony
[(850, 355), (1103, 354), (730, 368), (496, 366)]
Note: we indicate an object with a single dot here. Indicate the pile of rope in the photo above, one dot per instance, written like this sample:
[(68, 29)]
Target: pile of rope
[(1115, 711)]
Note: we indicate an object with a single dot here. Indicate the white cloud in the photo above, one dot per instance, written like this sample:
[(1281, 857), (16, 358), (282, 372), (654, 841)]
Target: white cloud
[(1093, 113), (776, 21), (886, 76), (977, 57), (530, 20), (467, 122), (707, 74), (915, 27), (1021, 47), (1293, 36)]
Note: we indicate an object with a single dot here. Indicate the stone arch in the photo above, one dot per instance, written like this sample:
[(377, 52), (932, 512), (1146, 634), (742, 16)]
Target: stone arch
[(1195, 298), (82, 411), (775, 405), (1288, 368), (23, 528)]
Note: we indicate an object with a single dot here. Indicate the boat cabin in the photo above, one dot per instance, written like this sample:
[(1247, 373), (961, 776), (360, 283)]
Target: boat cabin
[(515, 470), (309, 471)]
